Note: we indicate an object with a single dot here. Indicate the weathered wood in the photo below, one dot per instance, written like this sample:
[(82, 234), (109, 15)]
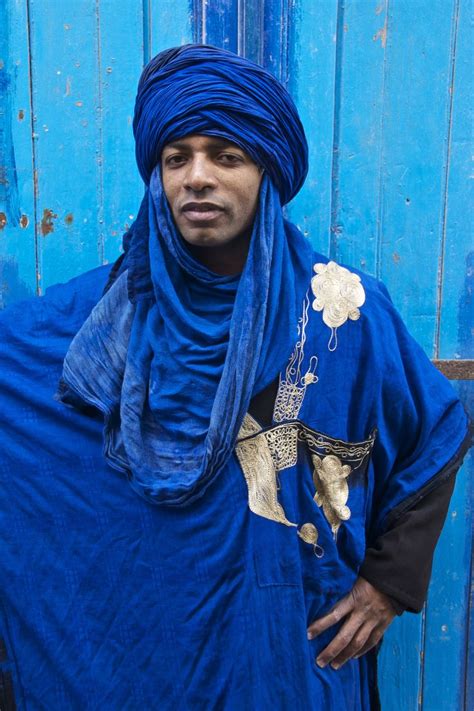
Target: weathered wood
[(358, 156), (415, 124), (171, 23), (17, 161), (456, 369), (68, 140), (121, 59), (312, 83), (448, 606)]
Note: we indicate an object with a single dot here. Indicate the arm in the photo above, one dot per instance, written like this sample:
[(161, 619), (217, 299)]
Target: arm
[(394, 576)]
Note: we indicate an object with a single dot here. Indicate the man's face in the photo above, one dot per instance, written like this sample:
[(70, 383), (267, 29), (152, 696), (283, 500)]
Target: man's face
[(212, 187)]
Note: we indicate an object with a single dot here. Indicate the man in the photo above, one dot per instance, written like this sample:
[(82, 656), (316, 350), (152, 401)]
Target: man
[(281, 434)]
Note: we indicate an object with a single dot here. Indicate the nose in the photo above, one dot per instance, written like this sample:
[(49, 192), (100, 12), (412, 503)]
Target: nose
[(199, 174)]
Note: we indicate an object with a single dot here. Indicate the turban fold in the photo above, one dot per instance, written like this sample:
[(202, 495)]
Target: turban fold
[(198, 89)]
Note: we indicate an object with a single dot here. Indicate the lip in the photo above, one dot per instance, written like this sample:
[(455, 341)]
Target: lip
[(201, 212)]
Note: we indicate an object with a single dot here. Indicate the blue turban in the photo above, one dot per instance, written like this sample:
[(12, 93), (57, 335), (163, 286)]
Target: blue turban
[(173, 353), (197, 89)]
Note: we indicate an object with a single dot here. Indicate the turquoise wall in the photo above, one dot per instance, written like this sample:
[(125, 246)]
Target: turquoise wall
[(383, 88)]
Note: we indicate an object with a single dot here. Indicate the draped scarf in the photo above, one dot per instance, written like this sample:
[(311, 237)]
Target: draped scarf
[(172, 353)]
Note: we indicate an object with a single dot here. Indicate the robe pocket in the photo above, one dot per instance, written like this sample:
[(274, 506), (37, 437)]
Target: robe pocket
[(276, 554)]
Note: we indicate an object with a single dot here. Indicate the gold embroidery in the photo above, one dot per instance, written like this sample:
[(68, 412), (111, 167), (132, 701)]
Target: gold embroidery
[(283, 445), (292, 389), (264, 453), (353, 452), (338, 294), (332, 490), (309, 534), (259, 471)]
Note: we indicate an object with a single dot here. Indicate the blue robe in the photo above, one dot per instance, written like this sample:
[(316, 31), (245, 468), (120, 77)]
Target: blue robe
[(109, 601)]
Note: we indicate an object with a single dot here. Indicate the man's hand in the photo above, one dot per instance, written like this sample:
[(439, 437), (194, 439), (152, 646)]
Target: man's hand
[(367, 614)]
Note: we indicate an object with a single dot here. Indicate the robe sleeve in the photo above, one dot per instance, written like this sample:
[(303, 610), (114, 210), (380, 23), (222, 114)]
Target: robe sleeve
[(399, 562), (422, 426)]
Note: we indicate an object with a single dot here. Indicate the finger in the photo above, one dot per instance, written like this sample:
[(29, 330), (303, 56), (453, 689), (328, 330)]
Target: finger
[(371, 642), (357, 643), (342, 640), (340, 610)]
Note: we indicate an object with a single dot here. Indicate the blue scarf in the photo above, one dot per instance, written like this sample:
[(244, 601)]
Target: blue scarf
[(173, 353)]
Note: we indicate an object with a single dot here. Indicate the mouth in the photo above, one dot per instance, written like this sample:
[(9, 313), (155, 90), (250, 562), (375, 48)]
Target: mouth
[(201, 212)]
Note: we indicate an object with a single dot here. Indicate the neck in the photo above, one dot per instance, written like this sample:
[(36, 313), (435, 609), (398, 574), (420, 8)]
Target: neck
[(224, 259)]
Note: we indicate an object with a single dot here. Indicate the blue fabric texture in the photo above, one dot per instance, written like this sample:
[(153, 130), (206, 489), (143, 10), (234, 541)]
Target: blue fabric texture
[(175, 376), (110, 602)]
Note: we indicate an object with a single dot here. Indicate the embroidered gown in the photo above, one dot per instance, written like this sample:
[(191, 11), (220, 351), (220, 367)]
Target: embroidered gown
[(111, 602)]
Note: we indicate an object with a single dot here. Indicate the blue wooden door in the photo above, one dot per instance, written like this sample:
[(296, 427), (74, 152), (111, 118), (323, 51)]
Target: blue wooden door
[(383, 89)]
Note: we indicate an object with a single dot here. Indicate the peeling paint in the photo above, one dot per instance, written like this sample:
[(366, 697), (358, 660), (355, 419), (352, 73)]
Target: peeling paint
[(24, 221), (21, 115), (379, 9), (3, 220), (2, 63), (67, 27), (78, 103), (68, 86), (69, 219), (35, 183), (9, 194), (382, 35), (396, 258), (47, 225)]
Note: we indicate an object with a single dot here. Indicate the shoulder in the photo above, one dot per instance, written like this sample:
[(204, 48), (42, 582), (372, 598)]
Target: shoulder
[(69, 302), (341, 294), (41, 328)]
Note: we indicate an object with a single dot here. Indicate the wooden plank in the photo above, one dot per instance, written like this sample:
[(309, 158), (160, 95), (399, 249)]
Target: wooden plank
[(448, 605), (121, 59), (358, 147), (17, 205), (469, 692), (399, 664), (311, 81), (171, 24), (414, 149), (455, 338), (449, 631), (220, 24), (278, 18), (67, 128), (250, 37)]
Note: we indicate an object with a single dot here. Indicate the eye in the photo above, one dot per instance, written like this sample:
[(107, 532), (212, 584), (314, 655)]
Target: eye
[(230, 158), (175, 160)]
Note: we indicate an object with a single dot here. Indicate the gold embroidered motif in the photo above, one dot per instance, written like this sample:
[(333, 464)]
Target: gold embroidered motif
[(259, 471), (283, 445), (309, 534), (332, 490), (338, 294), (292, 389), (264, 453), (353, 452)]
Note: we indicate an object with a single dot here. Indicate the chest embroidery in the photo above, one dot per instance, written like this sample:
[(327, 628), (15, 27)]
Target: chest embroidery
[(292, 388), (338, 294), (263, 453), (332, 489)]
